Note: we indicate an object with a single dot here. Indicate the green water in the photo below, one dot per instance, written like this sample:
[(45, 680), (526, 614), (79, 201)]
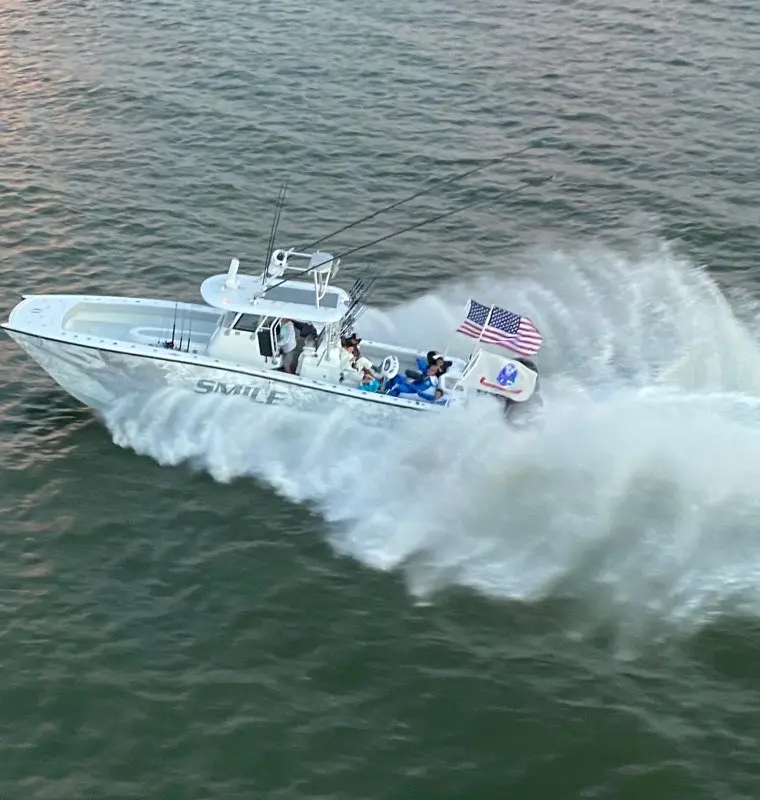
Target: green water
[(228, 602)]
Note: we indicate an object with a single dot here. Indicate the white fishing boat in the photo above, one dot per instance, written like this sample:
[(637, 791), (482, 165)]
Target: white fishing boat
[(276, 337), (101, 348)]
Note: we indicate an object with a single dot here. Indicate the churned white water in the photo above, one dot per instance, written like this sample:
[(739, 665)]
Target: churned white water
[(636, 498)]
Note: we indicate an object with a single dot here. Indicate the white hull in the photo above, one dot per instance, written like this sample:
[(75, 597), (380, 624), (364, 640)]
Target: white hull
[(98, 370), (101, 349)]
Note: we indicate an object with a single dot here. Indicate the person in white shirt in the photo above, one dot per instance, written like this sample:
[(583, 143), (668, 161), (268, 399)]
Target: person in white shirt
[(286, 342), (347, 357), (351, 361), (363, 364)]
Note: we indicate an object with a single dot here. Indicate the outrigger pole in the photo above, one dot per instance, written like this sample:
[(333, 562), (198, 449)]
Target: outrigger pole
[(428, 221), (275, 223), (437, 183)]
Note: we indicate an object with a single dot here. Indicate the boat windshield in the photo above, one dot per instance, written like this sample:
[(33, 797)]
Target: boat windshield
[(247, 322)]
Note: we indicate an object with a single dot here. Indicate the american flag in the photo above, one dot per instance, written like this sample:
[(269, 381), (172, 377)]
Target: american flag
[(494, 325)]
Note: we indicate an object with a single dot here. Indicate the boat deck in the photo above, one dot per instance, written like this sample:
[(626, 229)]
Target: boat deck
[(190, 325), (128, 322)]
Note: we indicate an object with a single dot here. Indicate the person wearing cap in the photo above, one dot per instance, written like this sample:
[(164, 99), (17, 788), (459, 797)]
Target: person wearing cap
[(352, 361), (439, 360), (351, 340), (433, 358), (348, 356)]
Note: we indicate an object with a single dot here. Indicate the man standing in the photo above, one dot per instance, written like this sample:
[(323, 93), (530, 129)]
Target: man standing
[(286, 341)]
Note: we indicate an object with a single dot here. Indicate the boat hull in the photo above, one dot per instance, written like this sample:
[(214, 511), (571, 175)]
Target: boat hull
[(99, 378)]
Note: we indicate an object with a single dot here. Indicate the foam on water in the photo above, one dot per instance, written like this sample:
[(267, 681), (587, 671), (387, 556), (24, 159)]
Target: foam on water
[(636, 499)]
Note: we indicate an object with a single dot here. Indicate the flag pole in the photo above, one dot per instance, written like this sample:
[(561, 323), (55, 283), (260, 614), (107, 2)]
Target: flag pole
[(466, 312), (467, 307), (485, 324)]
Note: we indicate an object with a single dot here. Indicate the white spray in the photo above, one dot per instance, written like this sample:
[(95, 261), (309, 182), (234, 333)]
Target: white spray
[(636, 499)]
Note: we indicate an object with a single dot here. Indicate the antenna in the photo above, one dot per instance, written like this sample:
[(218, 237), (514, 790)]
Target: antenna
[(232, 282)]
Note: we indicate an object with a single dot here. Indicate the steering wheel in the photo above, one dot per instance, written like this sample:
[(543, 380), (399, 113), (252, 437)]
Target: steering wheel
[(389, 368)]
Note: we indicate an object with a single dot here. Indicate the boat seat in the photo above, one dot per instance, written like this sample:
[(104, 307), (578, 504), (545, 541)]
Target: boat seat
[(308, 353)]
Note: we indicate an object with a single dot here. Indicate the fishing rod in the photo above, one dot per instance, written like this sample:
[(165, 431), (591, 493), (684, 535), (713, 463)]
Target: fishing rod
[(359, 303), (352, 316), (359, 300), (351, 310), (275, 223), (361, 285), (355, 317), (189, 329), (358, 294), (437, 183), (181, 328), (170, 344), (415, 226)]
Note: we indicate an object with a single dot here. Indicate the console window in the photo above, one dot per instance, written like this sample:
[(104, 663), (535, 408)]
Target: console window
[(247, 322)]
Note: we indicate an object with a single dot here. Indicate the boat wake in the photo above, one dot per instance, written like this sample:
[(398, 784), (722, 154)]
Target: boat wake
[(635, 499)]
